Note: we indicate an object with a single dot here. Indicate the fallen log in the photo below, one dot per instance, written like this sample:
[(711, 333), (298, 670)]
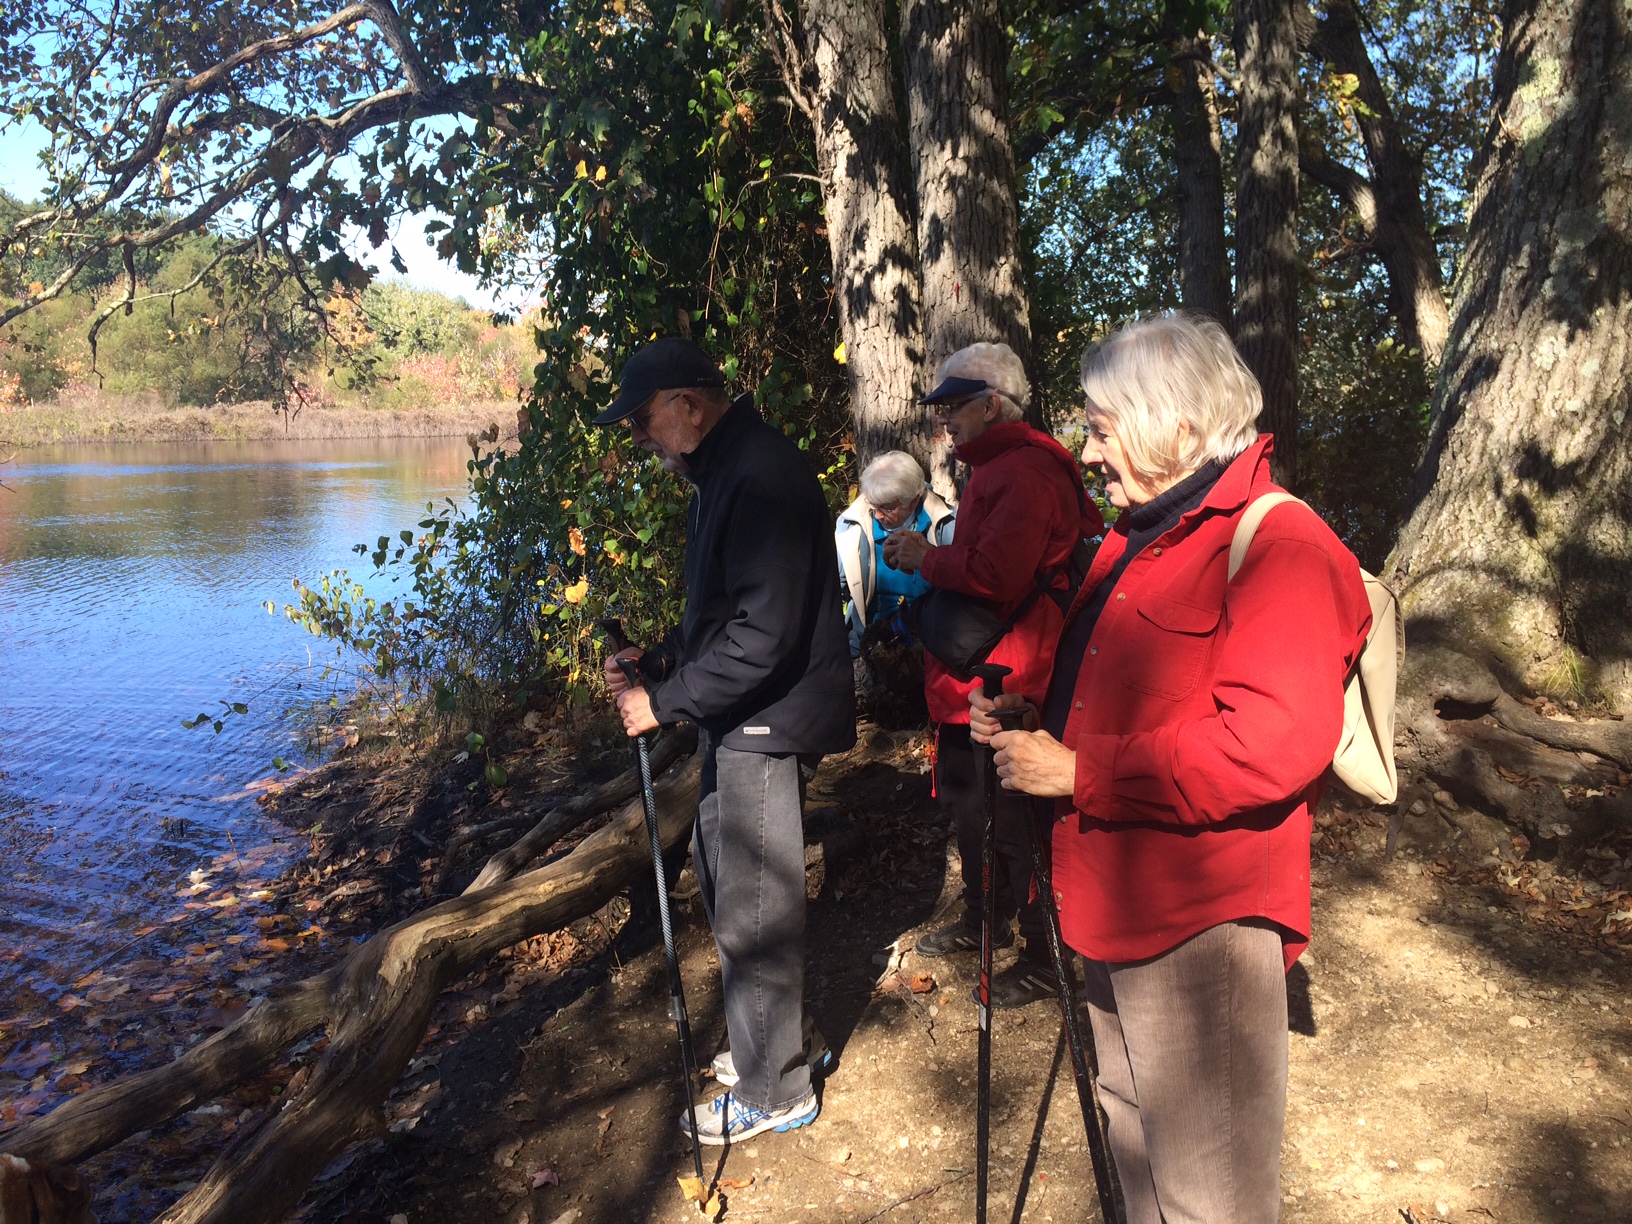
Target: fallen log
[(671, 746), (375, 1007)]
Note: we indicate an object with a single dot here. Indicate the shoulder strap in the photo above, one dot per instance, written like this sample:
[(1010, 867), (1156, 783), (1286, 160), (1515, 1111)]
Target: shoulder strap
[(1248, 526)]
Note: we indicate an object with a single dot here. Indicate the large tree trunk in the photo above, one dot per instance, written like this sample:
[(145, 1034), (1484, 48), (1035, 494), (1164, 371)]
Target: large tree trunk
[(954, 58), (1266, 216), (837, 64), (1198, 165), (1518, 547), (1389, 205)]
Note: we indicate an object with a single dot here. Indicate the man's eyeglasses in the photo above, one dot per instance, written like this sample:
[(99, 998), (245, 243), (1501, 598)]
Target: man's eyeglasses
[(642, 419)]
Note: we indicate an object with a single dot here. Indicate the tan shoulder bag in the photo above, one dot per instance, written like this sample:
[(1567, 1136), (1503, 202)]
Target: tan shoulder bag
[(1364, 761)]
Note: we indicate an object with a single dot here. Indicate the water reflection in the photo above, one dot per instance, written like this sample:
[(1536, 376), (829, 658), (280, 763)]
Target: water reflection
[(131, 584)]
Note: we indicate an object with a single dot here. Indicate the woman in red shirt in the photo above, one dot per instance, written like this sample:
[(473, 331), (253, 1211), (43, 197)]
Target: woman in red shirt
[(1188, 724)]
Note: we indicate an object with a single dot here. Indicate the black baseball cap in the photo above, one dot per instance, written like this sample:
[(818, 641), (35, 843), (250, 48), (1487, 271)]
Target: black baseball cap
[(667, 363), (956, 388)]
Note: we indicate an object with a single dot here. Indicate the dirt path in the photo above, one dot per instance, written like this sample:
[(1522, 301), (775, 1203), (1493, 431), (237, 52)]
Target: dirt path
[(1461, 1054)]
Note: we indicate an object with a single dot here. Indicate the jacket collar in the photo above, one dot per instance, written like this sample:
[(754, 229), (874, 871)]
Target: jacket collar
[(1246, 476), (1247, 471), (1243, 478), (999, 438), (739, 416)]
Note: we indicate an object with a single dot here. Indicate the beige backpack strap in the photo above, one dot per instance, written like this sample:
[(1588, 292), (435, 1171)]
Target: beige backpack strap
[(1248, 526)]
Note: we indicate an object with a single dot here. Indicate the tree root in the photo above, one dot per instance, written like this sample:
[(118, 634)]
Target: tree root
[(375, 1006), (1457, 728)]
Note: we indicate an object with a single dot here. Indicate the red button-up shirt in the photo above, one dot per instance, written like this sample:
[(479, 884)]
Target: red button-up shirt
[(1204, 717)]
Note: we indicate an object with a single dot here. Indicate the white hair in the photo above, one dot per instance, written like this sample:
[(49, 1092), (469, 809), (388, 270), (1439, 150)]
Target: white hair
[(999, 367), (892, 479), (1148, 378)]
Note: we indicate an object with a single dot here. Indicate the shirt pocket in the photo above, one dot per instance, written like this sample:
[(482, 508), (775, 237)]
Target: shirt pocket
[(1166, 646)]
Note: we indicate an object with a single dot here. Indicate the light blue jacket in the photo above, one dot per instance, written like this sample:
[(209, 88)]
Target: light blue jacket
[(853, 536)]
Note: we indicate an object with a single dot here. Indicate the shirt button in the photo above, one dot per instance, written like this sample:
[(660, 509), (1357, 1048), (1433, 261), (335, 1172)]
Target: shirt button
[(1093, 650), (1120, 596), (1059, 896), (1079, 705), (1156, 552)]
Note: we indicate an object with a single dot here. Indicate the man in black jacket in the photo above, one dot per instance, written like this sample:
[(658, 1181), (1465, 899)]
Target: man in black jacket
[(762, 665)]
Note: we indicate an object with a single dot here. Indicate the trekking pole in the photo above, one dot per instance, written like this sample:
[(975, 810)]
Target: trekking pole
[(991, 677), (613, 630), (1084, 1062)]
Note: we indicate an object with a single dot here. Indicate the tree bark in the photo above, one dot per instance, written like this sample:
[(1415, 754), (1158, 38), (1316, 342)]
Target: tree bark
[(1198, 165), (836, 62), (954, 59), (1394, 221), (1518, 546), (1266, 216)]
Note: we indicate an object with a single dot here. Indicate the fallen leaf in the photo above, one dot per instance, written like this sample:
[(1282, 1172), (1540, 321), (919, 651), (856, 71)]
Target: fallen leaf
[(76, 1068), (920, 983), (543, 1177), (714, 1207), (735, 1183), (692, 1188), (221, 1017)]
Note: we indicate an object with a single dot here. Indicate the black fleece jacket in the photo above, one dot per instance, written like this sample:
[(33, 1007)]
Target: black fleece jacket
[(761, 661)]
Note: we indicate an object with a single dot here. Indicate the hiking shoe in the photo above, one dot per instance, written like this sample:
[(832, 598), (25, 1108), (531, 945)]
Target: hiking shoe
[(727, 1120), (961, 936), (724, 1066), (1023, 983)]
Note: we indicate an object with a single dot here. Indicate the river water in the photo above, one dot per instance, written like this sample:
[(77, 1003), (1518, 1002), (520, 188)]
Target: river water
[(132, 580)]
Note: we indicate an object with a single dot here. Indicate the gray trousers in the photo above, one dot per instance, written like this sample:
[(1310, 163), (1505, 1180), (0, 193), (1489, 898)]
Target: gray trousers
[(748, 849), (1192, 1075)]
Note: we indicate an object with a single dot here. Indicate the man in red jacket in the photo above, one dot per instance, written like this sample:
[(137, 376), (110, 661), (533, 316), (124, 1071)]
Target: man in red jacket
[(1021, 516)]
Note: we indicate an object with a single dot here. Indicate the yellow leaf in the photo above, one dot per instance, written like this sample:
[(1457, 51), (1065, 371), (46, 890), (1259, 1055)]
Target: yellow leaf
[(692, 1188), (838, 353), (581, 172), (575, 540), (575, 593), (714, 1206), (600, 174)]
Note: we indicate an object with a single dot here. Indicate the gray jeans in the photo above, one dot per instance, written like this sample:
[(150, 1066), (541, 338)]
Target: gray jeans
[(1192, 1075), (748, 850)]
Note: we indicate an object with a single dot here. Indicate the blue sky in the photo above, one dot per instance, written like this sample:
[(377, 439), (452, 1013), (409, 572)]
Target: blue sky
[(22, 176)]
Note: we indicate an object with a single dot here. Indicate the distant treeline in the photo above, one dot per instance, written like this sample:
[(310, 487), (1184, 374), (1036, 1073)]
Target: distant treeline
[(202, 330)]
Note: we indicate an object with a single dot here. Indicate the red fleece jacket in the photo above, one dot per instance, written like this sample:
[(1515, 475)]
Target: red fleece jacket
[(1204, 718), (1021, 515)]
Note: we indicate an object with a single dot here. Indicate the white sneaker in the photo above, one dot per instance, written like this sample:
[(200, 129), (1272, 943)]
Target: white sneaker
[(726, 1120)]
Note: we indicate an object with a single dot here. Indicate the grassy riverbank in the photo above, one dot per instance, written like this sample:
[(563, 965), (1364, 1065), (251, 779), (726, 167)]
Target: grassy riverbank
[(130, 419)]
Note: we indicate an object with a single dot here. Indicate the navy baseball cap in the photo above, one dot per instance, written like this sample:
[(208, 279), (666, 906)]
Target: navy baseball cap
[(956, 388), (665, 364)]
